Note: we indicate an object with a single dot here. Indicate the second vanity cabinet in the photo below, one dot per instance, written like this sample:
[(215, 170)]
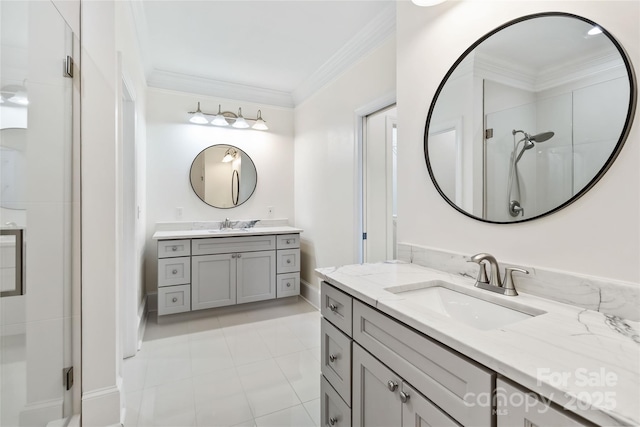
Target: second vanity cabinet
[(388, 374), (376, 371), (201, 273)]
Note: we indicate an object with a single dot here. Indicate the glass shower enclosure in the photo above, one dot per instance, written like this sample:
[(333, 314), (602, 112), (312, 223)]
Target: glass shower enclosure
[(37, 317)]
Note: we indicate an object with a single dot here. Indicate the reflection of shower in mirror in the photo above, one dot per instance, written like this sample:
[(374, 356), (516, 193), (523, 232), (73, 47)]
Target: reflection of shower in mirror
[(514, 197)]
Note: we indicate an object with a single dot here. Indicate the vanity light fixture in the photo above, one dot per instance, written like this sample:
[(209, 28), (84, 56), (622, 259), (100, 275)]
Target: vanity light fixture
[(198, 117), (219, 119), (240, 122), (226, 118), (229, 155), (427, 3)]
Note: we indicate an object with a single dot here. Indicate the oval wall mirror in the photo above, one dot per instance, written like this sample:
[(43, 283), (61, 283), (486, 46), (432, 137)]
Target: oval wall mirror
[(223, 176), (529, 118)]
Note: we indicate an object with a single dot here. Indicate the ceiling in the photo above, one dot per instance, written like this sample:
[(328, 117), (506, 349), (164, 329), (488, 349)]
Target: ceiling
[(264, 51)]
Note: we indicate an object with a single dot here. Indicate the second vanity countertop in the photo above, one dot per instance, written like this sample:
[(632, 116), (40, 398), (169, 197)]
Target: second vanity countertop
[(234, 232), (580, 359)]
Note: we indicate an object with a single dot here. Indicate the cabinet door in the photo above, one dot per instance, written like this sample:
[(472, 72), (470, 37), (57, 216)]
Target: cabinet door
[(213, 281), (418, 411), (376, 389), (256, 276), (518, 407)]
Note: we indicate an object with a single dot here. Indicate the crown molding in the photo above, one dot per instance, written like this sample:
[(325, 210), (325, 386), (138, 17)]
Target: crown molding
[(584, 68), (203, 86), (374, 34), (141, 31), (370, 37)]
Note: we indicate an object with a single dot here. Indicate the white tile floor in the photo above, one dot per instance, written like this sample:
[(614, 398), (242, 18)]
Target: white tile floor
[(254, 365)]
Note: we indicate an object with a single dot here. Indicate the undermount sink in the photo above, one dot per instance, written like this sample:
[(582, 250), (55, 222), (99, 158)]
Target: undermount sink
[(437, 296)]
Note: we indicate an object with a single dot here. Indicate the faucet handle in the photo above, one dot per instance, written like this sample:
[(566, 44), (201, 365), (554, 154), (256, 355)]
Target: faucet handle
[(509, 287), (482, 273)]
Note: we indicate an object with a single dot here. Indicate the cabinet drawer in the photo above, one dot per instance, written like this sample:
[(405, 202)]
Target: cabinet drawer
[(174, 248), (174, 299), (287, 285), (288, 241), (226, 245), (174, 271), (336, 359), (519, 407), (334, 412), (448, 379), (288, 261), (336, 306)]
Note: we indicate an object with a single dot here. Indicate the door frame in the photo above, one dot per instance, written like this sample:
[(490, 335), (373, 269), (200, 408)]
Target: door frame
[(360, 118)]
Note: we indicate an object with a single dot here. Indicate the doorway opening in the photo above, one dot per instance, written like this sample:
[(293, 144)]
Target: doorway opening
[(379, 185)]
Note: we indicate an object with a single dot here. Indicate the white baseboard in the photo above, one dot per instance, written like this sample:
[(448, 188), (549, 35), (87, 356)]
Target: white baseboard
[(101, 407), (310, 292), (39, 413)]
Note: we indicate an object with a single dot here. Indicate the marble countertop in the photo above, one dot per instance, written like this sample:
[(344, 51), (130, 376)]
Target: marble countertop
[(586, 361), (255, 231)]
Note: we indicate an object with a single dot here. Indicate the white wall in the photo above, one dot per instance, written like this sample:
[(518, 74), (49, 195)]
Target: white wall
[(326, 198), (173, 143), (100, 393), (597, 235)]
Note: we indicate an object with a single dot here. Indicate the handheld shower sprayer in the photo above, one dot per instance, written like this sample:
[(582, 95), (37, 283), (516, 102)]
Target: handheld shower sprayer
[(514, 206)]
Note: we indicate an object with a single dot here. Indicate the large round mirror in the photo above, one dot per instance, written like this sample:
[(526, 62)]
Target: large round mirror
[(529, 118), (223, 176)]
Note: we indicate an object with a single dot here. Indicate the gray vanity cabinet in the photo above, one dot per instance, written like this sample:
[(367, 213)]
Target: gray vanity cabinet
[(226, 279), (214, 281)]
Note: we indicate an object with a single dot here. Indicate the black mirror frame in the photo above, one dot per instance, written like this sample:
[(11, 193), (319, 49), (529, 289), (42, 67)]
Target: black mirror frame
[(614, 154), (236, 204)]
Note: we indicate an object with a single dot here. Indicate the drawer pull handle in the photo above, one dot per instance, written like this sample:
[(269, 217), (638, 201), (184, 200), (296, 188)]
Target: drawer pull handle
[(174, 299), (239, 255), (288, 241), (288, 261), (392, 385), (404, 397), (174, 272), (333, 421), (174, 248), (333, 357), (333, 308), (288, 284)]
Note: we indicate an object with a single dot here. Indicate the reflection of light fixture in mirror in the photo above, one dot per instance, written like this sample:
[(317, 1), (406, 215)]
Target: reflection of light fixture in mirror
[(225, 118), (595, 30), (15, 94), (219, 119), (260, 124), (229, 155), (427, 2), (198, 117)]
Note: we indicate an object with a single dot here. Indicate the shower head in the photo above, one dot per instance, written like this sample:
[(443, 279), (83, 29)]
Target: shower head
[(529, 141), (541, 137)]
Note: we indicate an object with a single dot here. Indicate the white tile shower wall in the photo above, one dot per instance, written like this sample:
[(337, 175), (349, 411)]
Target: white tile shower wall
[(612, 297)]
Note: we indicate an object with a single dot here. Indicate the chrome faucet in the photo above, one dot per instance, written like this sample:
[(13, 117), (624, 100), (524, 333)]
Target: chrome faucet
[(226, 224), (495, 284)]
